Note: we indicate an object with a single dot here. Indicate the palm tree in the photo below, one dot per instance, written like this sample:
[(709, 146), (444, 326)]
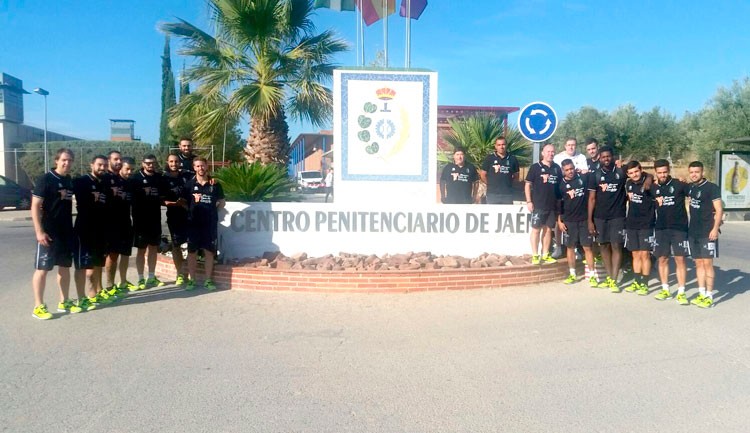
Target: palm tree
[(264, 60), (477, 134)]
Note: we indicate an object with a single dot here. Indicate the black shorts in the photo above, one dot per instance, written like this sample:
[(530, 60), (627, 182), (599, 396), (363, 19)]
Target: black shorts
[(702, 248), (147, 234), (610, 231), (178, 233), (668, 243), (543, 218), (120, 241), (89, 252), (58, 253), (203, 238), (639, 239), (493, 198), (578, 233)]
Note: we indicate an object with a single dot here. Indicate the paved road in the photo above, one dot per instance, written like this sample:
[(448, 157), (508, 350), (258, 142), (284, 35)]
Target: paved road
[(528, 359)]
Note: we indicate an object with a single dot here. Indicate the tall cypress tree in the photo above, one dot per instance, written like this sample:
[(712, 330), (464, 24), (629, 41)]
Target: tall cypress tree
[(168, 97)]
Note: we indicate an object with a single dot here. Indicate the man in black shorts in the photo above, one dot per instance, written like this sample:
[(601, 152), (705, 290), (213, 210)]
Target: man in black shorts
[(91, 230), (120, 237), (174, 200), (147, 186), (606, 210), (639, 225), (573, 220), (498, 171), (205, 198), (542, 195), (706, 213), (51, 212), (186, 155), (670, 237), (458, 182)]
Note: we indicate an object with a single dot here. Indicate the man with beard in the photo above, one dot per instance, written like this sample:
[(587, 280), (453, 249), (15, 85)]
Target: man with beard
[(204, 201), (51, 212), (606, 214), (120, 237), (91, 229), (706, 213), (498, 171), (458, 182), (174, 200), (147, 186), (186, 155), (671, 230)]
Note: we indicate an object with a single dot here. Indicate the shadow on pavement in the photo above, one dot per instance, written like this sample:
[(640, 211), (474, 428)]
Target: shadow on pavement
[(162, 294)]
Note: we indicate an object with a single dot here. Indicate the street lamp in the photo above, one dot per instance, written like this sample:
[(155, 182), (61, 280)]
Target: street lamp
[(40, 91)]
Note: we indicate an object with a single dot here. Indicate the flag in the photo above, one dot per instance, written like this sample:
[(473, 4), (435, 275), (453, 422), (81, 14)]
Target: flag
[(372, 10), (417, 7), (337, 5)]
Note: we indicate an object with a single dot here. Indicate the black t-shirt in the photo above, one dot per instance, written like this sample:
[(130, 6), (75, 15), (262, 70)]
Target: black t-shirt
[(544, 180), (187, 162), (640, 205), (670, 205), (91, 203), (56, 193), (202, 201), (147, 197), (119, 197), (174, 189), (702, 196), (500, 173), (459, 182), (593, 165), (610, 193), (575, 198)]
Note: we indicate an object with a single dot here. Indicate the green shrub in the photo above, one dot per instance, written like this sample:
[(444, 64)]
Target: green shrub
[(257, 182)]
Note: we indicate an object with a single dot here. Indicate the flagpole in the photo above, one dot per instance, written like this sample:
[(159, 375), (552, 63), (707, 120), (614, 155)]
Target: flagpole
[(361, 32), (408, 34), (356, 22), (385, 30)]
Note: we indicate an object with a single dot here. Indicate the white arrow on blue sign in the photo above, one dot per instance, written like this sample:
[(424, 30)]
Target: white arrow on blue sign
[(537, 121)]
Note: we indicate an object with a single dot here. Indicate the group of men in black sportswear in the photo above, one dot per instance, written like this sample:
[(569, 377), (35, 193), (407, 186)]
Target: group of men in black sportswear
[(600, 207), (119, 207)]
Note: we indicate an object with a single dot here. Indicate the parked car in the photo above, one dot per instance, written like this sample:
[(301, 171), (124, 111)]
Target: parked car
[(14, 195), (310, 181)]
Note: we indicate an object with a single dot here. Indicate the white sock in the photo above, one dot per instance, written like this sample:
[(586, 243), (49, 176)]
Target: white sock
[(665, 287), (710, 295), (573, 271), (151, 275), (681, 290), (140, 277), (702, 291)]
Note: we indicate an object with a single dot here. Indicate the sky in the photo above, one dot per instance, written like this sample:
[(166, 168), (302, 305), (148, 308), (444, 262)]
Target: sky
[(101, 60)]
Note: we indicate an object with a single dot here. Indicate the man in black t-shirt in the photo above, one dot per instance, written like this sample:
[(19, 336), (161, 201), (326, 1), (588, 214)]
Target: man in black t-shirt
[(542, 195), (458, 182), (177, 217), (498, 171), (573, 220), (186, 155), (606, 214), (592, 152), (670, 235), (91, 229), (706, 213), (639, 225), (120, 235), (51, 213), (204, 198), (147, 186)]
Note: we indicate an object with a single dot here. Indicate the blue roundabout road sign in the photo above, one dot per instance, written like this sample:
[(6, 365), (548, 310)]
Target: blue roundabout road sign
[(537, 121)]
